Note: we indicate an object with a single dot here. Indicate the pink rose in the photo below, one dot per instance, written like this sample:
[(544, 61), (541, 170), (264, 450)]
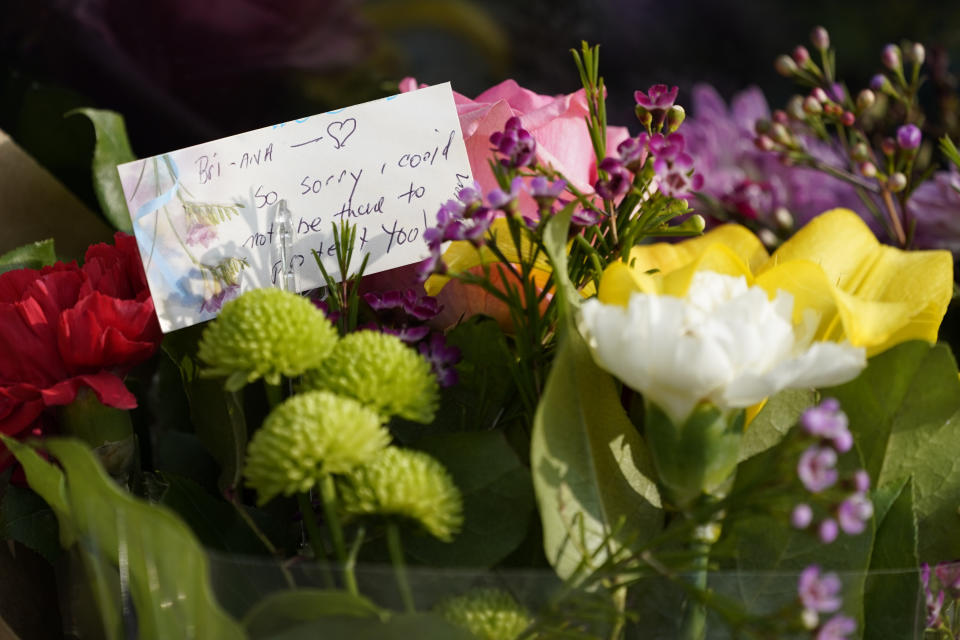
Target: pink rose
[(556, 122)]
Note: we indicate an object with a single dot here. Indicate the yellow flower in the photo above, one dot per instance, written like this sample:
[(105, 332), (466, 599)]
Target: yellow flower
[(871, 294)]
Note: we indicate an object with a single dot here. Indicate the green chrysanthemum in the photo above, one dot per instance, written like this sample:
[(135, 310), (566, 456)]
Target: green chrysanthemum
[(489, 614), (268, 333), (378, 369), (310, 435), (406, 483)]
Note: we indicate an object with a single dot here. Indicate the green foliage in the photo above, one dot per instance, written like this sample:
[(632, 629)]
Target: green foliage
[(893, 586), (112, 148), (26, 518), (398, 627), (217, 414), (497, 495), (161, 565), (29, 256), (775, 419), (285, 610), (591, 470), (904, 412)]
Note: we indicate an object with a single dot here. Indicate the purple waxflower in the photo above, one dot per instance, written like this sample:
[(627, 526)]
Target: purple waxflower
[(514, 142), (949, 576), (934, 603), (383, 301), (545, 192), (878, 82), (618, 181), (431, 265), (890, 57), (659, 96), (819, 593), (506, 200), (801, 516), (837, 93), (471, 196), (828, 422), (861, 481), (479, 224), (828, 531), (633, 152), (585, 217), (909, 137), (837, 628), (215, 302), (817, 468), (442, 358), (853, 514)]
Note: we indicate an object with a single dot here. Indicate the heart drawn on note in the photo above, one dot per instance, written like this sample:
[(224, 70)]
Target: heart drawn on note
[(340, 130)]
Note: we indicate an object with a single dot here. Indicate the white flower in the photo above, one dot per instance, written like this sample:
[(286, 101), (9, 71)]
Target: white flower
[(724, 342)]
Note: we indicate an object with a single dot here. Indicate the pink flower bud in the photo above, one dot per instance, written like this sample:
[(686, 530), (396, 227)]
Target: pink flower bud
[(891, 57), (785, 66), (812, 106), (848, 119), (868, 170), (866, 99), (820, 38), (801, 55), (820, 95)]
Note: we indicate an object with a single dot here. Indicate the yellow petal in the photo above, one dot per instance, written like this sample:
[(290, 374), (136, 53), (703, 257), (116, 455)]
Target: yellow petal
[(667, 257), (619, 281), (718, 258), (881, 295), (462, 255)]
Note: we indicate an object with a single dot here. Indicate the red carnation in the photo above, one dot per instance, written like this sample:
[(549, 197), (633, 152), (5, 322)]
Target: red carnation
[(66, 327)]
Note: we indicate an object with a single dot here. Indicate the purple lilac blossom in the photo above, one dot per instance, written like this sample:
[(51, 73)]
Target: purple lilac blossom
[(505, 200), (935, 206), (819, 593), (817, 468), (837, 628), (545, 192), (721, 141)]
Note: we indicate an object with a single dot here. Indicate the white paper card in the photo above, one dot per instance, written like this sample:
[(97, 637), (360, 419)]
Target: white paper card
[(204, 216)]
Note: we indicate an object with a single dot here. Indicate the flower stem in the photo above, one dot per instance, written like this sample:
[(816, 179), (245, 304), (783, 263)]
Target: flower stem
[(695, 615), (399, 567), (328, 495), (316, 538)]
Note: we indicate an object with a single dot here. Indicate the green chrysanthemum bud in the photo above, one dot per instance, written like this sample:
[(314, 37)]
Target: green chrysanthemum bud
[(489, 614), (379, 370), (310, 435), (406, 483), (268, 333)]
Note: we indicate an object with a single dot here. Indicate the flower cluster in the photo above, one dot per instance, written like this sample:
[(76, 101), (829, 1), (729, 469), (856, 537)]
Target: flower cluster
[(818, 594), (68, 327), (817, 472), (404, 314), (488, 614), (944, 581)]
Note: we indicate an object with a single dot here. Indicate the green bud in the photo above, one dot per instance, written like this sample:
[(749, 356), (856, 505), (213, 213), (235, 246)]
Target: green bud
[(795, 108), (785, 66), (812, 106), (860, 152), (897, 182), (866, 99), (643, 115), (675, 118), (780, 134)]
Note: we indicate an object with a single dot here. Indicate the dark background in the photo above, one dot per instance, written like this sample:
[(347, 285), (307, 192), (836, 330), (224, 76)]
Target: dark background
[(187, 71)]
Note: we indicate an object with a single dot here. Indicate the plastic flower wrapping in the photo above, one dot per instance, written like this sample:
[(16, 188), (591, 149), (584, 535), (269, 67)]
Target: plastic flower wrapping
[(684, 370)]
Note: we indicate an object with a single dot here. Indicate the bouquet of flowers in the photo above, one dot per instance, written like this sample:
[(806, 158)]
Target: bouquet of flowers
[(689, 376)]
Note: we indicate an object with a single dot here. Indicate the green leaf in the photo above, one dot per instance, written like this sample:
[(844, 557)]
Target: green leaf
[(217, 414), (775, 419), (49, 483), (26, 518), (591, 470), (215, 522), (893, 588), (555, 235), (163, 566), (112, 148), (284, 610), (421, 626), (904, 412), (498, 500), (29, 256)]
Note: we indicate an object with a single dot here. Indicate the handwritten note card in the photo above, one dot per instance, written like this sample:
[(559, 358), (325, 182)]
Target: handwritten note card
[(205, 216)]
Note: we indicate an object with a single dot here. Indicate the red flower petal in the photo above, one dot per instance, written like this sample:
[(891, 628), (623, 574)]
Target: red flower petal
[(102, 332), (109, 388)]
